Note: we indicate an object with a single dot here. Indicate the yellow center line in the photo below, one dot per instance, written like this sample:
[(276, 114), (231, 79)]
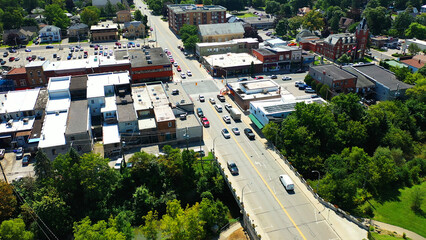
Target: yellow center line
[(258, 173)]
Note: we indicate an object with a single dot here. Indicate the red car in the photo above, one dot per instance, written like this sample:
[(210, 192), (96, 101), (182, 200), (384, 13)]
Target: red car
[(172, 60), (205, 122), (178, 69), (117, 43), (260, 77), (11, 59)]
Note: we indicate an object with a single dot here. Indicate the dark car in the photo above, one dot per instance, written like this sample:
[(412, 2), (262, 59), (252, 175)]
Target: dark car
[(274, 77), (26, 160), (242, 79), (49, 47), (5, 54), (249, 133), (233, 168), (200, 112), (228, 107), (221, 98)]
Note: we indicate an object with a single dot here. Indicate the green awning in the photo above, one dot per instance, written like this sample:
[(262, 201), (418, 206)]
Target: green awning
[(255, 121)]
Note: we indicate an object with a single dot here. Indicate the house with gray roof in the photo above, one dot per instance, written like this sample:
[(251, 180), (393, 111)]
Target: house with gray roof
[(78, 31), (134, 29), (220, 32), (50, 34), (25, 34)]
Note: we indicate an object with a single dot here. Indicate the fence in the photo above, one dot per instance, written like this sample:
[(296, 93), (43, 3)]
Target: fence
[(362, 223)]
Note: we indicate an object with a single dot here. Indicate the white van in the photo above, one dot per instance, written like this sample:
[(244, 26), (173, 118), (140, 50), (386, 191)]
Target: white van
[(287, 182), (218, 107)]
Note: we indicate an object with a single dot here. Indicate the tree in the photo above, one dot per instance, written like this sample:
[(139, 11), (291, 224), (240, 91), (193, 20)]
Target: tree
[(100, 230), (422, 71), (282, 27), (416, 30), (285, 10), (324, 91), (150, 228), (377, 19), (207, 2), (272, 7), (14, 229), (110, 9), (42, 166), (402, 22), (413, 49), (344, 59), (257, 3), (313, 21), (138, 15), (294, 23), (143, 202), (56, 16), (90, 15), (12, 18), (417, 197), (187, 30), (252, 68), (13, 39), (69, 5), (191, 42), (7, 201)]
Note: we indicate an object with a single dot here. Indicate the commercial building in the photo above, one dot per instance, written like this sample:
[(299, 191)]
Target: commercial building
[(231, 64), (104, 32), (103, 3), (147, 65), (191, 14), (364, 87), (50, 34), (244, 45), (134, 29), (260, 22), (124, 16), (248, 91), (338, 80), (220, 32), (279, 58), (78, 31), (384, 41)]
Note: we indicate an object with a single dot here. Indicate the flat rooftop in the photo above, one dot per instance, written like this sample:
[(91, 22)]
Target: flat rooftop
[(230, 42), (59, 84), (58, 105), (19, 101), (181, 98), (332, 71), (141, 99), (110, 134), (147, 124), (163, 114), (231, 60), (362, 81), (190, 121), (381, 75), (78, 82), (97, 82), (53, 132), (139, 58), (78, 117), (259, 84), (157, 95), (103, 27), (126, 113), (37, 63), (17, 126), (182, 8)]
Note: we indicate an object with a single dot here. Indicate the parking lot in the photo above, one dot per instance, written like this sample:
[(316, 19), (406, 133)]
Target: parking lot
[(13, 167)]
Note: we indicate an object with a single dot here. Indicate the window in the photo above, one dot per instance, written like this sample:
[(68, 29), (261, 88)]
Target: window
[(39, 73), (22, 82), (72, 138), (31, 73), (40, 80), (53, 151), (92, 101), (170, 124)]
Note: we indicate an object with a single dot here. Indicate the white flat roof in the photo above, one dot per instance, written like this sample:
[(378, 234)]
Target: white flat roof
[(164, 113), (97, 82), (58, 105), (147, 123), (141, 99), (19, 101), (157, 95), (53, 132), (231, 60), (59, 83), (110, 104), (17, 126), (110, 133)]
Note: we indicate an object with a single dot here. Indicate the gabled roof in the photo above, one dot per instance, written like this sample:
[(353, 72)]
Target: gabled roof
[(79, 26), (221, 29), (133, 23), (50, 28), (382, 76), (334, 38), (345, 22)]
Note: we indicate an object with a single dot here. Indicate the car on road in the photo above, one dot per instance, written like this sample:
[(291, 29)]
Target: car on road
[(218, 107), (49, 47), (309, 90), (242, 79), (236, 131), (182, 75), (226, 119), (172, 60), (212, 101), (5, 54), (26, 160), (175, 64), (11, 59), (179, 69), (226, 133), (2, 152), (274, 77), (189, 73), (285, 78), (228, 107), (201, 98), (232, 168), (19, 153), (249, 133), (259, 77), (118, 163), (151, 40), (200, 112), (205, 122), (221, 98), (17, 59), (27, 50), (287, 182)]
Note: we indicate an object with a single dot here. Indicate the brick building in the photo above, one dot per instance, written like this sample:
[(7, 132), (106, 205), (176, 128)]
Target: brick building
[(104, 32), (337, 79), (192, 14)]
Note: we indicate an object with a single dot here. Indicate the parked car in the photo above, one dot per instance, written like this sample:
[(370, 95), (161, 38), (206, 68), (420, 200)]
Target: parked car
[(232, 168), (189, 73), (27, 50), (205, 122), (309, 90), (3, 62), (5, 54), (118, 163), (179, 69), (226, 133), (19, 153), (11, 59), (228, 107), (175, 64), (212, 101), (218, 107), (226, 119), (236, 131), (182, 75), (242, 79), (221, 98), (274, 77), (296, 84), (249, 133), (259, 77), (2, 152), (285, 78), (17, 59), (26, 160), (200, 112), (201, 98), (303, 86), (49, 47)]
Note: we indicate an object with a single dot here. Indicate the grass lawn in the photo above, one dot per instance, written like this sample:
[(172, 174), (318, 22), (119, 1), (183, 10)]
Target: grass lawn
[(377, 236), (399, 213), (245, 15)]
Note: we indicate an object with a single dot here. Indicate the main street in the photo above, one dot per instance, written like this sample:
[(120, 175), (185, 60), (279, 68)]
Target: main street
[(276, 213)]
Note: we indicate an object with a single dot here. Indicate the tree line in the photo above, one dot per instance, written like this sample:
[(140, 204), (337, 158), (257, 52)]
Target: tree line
[(360, 153), (81, 196)]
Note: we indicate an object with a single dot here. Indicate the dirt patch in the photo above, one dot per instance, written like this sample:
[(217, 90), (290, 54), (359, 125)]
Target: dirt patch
[(238, 235)]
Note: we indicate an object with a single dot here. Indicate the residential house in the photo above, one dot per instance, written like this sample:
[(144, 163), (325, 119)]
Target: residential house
[(384, 41), (50, 33), (345, 23), (306, 36), (104, 32), (25, 34), (303, 11), (335, 78), (231, 64), (78, 31), (220, 32), (415, 63), (124, 16), (134, 29), (194, 14), (244, 45), (420, 43)]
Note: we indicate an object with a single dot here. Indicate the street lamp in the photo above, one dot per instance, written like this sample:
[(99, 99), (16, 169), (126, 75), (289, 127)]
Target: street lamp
[(242, 204), (213, 146), (319, 176)]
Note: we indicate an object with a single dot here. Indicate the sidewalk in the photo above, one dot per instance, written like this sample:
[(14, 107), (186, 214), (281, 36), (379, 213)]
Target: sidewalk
[(398, 230), (234, 232)]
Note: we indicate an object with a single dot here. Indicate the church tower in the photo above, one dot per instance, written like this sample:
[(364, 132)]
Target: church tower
[(362, 33)]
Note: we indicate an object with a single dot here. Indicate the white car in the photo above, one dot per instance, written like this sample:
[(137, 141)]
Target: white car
[(189, 73), (118, 163), (182, 75), (226, 133), (236, 131), (212, 101), (286, 78), (201, 98), (226, 119), (175, 64), (218, 107)]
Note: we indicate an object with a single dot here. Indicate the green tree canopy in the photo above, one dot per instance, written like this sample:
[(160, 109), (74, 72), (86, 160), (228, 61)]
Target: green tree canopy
[(56, 16), (416, 30), (272, 7), (90, 15), (100, 230), (282, 27), (378, 20), (14, 229), (313, 21), (402, 22), (7, 201)]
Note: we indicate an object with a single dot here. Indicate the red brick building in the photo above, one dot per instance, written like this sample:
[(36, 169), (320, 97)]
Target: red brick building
[(335, 45), (19, 77)]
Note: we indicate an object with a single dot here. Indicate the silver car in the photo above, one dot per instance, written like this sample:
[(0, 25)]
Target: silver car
[(226, 133)]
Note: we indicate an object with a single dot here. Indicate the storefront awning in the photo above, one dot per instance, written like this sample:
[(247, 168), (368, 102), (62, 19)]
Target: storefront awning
[(23, 133), (255, 121)]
